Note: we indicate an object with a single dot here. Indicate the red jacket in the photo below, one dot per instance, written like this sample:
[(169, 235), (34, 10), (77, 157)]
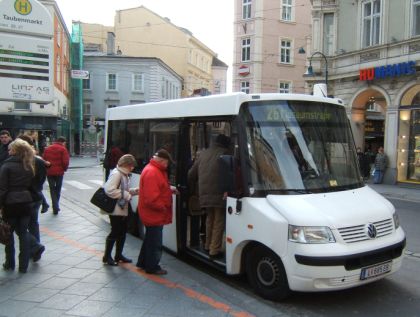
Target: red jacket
[(155, 195), (59, 158)]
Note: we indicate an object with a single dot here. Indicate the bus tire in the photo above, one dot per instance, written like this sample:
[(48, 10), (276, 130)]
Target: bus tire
[(266, 274)]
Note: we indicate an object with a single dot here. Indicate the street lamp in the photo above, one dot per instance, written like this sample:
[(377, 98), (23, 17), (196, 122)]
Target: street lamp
[(310, 71)]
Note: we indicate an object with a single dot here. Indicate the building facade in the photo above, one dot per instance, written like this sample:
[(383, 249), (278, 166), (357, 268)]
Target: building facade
[(372, 50), (268, 35), (118, 80), (141, 32), (35, 61)]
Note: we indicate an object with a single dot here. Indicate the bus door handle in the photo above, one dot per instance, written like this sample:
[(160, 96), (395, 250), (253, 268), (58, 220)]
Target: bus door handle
[(238, 206)]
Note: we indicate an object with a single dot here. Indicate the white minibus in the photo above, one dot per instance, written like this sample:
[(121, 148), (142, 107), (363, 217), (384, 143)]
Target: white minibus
[(298, 215)]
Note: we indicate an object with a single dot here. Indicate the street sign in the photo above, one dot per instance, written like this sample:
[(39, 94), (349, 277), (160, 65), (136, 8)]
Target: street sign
[(79, 74)]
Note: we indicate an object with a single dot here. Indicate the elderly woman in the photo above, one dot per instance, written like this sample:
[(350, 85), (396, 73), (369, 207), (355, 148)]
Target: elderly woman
[(16, 175), (117, 187)]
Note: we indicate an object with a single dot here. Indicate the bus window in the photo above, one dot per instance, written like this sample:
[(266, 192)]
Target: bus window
[(165, 135)]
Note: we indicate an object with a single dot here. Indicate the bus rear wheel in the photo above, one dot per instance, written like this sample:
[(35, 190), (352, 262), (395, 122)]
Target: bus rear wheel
[(266, 274)]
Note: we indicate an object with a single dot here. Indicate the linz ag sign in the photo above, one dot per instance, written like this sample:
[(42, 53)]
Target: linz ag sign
[(388, 71)]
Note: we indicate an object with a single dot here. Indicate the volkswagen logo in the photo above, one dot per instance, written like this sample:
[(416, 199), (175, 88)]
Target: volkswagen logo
[(371, 231)]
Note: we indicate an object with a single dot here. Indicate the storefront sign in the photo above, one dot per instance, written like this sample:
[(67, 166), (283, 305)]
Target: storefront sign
[(243, 70), (388, 71), (26, 51)]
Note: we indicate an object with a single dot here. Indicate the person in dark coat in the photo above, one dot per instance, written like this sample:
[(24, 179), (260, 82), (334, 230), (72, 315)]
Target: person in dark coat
[(363, 163), (57, 158), (5, 140), (206, 171), (36, 189), (16, 175), (381, 163)]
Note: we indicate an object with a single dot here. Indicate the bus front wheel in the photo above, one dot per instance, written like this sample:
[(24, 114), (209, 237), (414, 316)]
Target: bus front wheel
[(266, 274)]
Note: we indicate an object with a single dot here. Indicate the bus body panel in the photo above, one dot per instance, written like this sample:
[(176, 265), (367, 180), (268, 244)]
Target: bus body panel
[(266, 220)]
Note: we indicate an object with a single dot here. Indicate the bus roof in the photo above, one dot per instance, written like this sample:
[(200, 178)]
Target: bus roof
[(209, 106)]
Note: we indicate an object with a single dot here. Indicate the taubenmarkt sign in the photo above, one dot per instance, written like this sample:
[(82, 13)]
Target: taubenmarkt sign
[(25, 16), (26, 51)]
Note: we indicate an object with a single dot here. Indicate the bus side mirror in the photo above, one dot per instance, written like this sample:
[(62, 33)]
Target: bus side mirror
[(227, 167)]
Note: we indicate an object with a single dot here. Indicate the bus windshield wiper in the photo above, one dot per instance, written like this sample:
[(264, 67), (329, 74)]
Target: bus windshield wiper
[(299, 191)]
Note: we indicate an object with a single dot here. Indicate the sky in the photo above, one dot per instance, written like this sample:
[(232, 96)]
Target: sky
[(211, 22)]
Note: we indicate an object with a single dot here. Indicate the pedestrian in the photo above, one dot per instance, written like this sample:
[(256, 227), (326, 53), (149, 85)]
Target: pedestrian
[(37, 196), (5, 140), (155, 210), (363, 163), (211, 196), (16, 175), (117, 187), (381, 162), (111, 159), (57, 159)]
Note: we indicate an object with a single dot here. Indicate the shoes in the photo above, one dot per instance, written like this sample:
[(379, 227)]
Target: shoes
[(141, 267), (109, 261), (55, 212), (23, 270), (123, 259), (7, 266), (44, 209), (158, 272), (37, 256), (217, 256)]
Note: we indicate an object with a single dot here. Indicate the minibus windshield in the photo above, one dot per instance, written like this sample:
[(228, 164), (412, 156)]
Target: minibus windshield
[(297, 147)]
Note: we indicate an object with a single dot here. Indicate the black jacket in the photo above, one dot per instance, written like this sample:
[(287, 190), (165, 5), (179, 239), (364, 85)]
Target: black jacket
[(39, 179), (4, 152), (15, 182)]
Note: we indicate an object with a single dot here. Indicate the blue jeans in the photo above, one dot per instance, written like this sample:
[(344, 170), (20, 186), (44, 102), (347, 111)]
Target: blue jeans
[(33, 222), (151, 250), (378, 176), (55, 183)]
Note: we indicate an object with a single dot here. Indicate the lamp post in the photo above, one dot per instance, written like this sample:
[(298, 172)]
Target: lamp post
[(310, 70)]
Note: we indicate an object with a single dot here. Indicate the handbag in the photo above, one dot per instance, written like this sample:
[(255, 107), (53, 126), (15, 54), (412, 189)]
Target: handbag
[(103, 201), (5, 232)]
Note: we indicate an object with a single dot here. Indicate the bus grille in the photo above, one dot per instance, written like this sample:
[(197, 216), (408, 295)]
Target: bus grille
[(359, 233)]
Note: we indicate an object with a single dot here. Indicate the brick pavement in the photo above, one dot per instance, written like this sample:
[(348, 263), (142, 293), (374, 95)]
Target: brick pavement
[(70, 279)]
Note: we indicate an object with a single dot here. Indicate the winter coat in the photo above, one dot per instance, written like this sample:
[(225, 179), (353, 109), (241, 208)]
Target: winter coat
[(4, 152), (113, 189), (155, 195), (15, 183), (59, 158), (206, 170), (39, 179)]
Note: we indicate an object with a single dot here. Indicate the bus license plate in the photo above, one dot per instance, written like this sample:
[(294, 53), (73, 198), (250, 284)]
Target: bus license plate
[(375, 270)]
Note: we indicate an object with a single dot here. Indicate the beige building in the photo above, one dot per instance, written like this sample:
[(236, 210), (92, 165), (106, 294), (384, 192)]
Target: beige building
[(372, 50), (267, 37), (139, 32)]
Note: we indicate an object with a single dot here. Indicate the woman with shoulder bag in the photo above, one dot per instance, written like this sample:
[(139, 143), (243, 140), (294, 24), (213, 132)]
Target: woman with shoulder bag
[(117, 187), (16, 175)]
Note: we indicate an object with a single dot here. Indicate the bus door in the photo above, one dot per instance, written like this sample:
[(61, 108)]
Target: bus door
[(165, 134), (201, 135)]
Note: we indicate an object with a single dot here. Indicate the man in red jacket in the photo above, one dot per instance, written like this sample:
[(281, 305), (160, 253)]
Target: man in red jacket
[(58, 159), (155, 210)]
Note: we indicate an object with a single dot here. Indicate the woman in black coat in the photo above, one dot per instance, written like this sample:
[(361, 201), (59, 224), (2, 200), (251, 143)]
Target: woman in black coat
[(16, 175)]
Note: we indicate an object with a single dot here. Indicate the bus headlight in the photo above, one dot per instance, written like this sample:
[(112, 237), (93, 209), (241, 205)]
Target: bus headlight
[(301, 234), (396, 220)]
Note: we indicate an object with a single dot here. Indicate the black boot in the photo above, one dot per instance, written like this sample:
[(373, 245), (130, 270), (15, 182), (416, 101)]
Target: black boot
[(119, 257), (107, 259)]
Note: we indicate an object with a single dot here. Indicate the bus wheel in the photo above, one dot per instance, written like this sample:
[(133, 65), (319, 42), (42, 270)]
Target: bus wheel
[(266, 274)]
